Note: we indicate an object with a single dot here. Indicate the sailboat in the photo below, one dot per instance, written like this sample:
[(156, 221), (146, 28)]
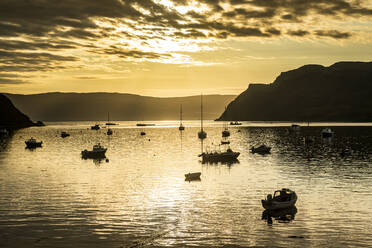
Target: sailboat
[(108, 120), (201, 133), (181, 127)]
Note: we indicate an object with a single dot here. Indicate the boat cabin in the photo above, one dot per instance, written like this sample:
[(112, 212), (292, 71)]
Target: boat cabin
[(283, 195)]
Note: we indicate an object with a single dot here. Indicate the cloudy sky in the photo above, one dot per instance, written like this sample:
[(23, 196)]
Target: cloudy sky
[(173, 47)]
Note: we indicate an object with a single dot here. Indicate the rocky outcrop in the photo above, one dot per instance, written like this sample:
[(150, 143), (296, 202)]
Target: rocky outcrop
[(341, 92)]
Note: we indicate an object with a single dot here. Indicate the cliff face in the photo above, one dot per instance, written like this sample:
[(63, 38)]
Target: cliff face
[(11, 117), (341, 92)]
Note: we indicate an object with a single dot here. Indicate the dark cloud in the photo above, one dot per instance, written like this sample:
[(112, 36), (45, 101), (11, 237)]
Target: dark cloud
[(33, 32), (12, 81), (299, 33), (333, 34)]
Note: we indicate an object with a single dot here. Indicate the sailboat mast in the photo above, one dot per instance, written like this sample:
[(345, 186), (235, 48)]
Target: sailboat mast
[(201, 111), (181, 114)]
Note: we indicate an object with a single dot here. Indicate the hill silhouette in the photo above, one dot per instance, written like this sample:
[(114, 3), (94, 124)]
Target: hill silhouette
[(95, 106), (341, 92), (11, 117)]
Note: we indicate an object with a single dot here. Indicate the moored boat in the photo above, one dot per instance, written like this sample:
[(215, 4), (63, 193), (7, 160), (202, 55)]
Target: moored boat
[(32, 143), (262, 149), (97, 152), (217, 156), (235, 123), (192, 176), (181, 127), (283, 198), (95, 127), (64, 134), (327, 133), (201, 134)]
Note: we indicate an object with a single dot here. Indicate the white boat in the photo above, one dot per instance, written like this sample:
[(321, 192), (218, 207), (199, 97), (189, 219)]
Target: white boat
[(327, 133), (201, 134), (181, 127), (97, 152), (284, 198), (192, 176), (32, 143), (262, 149)]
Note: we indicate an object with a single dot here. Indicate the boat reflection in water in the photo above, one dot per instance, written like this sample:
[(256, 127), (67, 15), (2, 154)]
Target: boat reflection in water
[(284, 215)]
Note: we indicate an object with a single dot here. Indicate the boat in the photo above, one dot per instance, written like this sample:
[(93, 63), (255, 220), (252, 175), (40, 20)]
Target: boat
[(181, 127), (295, 128), (143, 133), (64, 134), (108, 123), (225, 133), (201, 134), (32, 143), (97, 152), (217, 156), (195, 176), (109, 131), (327, 133), (225, 142), (144, 124), (3, 132), (235, 123), (308, 140), (284, 198), (262, 149), (95, 127)]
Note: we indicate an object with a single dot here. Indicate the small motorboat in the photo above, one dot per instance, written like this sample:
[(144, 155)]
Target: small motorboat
[(202, 134), (262, 149), (64, 134), (284, 198), (97, 152), (225, 133), (143, 133), (295, 128), (181, 127), (327, 133), (192, 176), (145, 124), (217, 156), (3, 132), (235, 123), (308, 140), (95, 127), (225, 142), (32, 143), (345, 152), (109, 131)]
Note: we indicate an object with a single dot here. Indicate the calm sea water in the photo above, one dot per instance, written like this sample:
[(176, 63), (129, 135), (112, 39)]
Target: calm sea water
[(50, 197)]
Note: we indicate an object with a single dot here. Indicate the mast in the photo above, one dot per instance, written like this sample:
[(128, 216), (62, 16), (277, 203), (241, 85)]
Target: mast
[(201, 112), (181, 114), (108, 117)]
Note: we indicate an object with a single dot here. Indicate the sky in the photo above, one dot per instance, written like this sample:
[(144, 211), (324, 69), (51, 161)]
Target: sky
[(173, 47)]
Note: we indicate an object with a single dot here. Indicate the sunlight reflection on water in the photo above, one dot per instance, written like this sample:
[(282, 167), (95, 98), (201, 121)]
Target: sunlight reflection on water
[(51, 197)]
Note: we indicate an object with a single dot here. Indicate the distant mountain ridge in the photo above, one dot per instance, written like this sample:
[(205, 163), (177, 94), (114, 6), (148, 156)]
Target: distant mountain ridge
[(340, 92), (122, 107), (11, 117)]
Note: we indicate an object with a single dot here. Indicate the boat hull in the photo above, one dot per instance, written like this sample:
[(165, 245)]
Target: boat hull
[(33, 144), (93, 154), (226, 157), (275, 205), (192, 176)]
